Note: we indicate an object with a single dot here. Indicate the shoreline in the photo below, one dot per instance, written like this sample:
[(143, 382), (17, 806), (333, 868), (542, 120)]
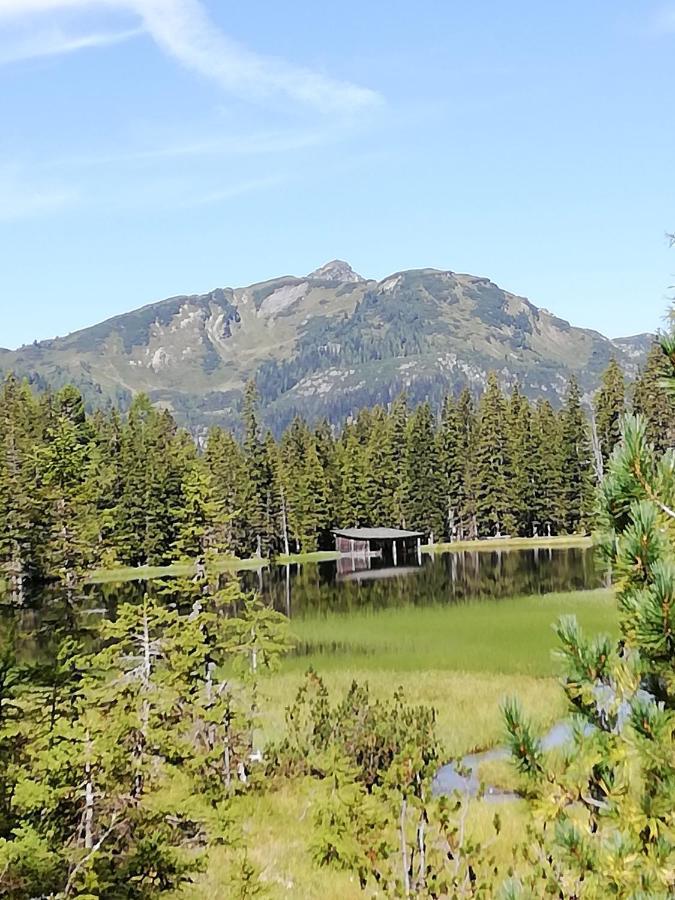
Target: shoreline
[(235, 564)]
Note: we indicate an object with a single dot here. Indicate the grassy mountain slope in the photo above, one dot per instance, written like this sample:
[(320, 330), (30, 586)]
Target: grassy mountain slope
[(324, 344)]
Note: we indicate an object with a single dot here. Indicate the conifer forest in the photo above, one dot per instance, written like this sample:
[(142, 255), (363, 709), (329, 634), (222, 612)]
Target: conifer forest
[(134, 757)]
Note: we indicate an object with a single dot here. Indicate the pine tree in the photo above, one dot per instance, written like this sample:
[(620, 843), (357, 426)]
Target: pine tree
[(399, 425), (66, 467), (19, 512), (256, 473), (326, 449), (153, 461), (200, 521), (353, 481), (547, 472), (492, 465), (225, 462), (468, 526), (424, 502), (452, 462), (605, 806), (609, 408), (380, 475), (521, 457), (577, 466), (305, 487), (652, 401)]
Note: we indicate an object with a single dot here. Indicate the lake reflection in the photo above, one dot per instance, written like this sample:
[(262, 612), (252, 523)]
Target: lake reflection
[(306, 590)]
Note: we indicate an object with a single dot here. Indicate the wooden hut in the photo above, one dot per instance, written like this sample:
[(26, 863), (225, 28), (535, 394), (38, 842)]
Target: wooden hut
[(367, 542)]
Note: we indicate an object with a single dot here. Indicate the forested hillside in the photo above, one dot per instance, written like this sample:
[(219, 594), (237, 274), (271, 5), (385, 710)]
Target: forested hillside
[(324, 346), (79, 491)]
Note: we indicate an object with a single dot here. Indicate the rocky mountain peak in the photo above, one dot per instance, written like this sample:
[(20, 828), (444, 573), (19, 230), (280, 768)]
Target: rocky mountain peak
[(336, 270)]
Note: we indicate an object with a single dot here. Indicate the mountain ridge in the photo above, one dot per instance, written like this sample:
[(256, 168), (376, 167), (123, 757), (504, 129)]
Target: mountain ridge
[(323, 345)]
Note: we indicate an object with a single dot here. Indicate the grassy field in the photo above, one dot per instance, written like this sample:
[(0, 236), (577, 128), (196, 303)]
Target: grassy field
[(561, 542), (462, 659), (501, 636)]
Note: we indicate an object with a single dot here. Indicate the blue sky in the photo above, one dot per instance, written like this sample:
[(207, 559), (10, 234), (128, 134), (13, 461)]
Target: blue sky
[(159, 147)]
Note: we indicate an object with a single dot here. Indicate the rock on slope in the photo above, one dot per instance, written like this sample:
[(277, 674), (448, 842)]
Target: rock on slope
[(324, 345)]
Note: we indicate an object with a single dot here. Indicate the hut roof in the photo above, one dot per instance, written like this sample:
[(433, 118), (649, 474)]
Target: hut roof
[(376, 534)]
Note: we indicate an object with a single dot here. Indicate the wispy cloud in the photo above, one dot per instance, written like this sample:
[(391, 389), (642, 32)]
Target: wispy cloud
[(56, 42), (20, 199), (247, 145), (184, 30)]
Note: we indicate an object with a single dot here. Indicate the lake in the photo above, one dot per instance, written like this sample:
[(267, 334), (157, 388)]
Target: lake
[(318, 589), (442, 613)]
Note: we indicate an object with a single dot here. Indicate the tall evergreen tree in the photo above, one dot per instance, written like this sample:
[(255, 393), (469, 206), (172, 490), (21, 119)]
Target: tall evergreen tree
[(305, 487), (609, 408), (257, 472), (380, 474), (452, 461), (492, 464), (153, 461), (424, 502), (353, 481), (466, 413), (577, 466), (225, 462), (652, 401), (399, 425), (19, 511), (521, 482), (547, 471)]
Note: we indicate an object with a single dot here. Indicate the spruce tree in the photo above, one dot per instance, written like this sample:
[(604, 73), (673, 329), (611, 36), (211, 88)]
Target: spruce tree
[(225, 462), (609, 408), (153, 461), (653, 403), (353, 481), (578, 489), (20, 513), (326, 449), (547, 471), (521, 460), (66, 467), (256, 473), (452, 462), (424, 502), (491, 463), (200, 521), (305, 487), (468, 526), (380, 475), (605, 805), (399, 424)]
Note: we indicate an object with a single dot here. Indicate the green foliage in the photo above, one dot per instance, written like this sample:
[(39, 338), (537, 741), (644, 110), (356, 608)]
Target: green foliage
[(610, 407), (605, 820), (79, 491)]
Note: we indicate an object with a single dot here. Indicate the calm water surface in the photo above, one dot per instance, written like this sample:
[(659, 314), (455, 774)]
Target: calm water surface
[(311, 590)]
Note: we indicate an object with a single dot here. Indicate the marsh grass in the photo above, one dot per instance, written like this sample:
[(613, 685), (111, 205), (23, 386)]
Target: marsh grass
[(559, 542), (507, 636), (463, 660)]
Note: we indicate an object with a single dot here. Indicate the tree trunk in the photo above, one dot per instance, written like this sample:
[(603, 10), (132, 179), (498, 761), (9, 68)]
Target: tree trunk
[(404, 849), (88, 800), (284, 524), (421, 851), (597, 451)]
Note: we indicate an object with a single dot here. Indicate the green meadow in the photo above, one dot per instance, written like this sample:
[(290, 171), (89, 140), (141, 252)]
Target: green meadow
[(462, 659), (500, 636)]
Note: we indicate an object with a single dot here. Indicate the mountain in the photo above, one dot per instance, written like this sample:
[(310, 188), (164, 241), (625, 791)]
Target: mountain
[(324, 344)]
